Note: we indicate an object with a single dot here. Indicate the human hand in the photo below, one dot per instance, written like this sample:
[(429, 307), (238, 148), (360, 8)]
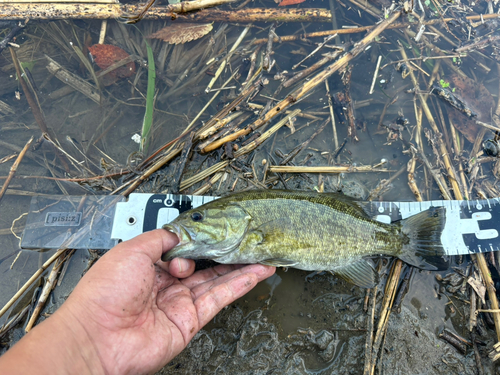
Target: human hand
[(137, 311), (133, 314)]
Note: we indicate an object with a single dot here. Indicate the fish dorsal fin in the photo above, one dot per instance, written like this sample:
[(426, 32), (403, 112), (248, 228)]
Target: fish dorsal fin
[(278, 262), (358, 205), (360, 273)]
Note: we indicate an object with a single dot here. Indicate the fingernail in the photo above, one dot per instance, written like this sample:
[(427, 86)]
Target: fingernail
[(179, 264)]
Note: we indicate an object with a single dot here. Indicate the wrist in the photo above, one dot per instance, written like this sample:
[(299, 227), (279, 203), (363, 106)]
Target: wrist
[(59, 344), (81, 349)]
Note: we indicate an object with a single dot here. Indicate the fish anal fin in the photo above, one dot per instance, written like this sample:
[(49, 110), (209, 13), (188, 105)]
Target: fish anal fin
[(361, 273)]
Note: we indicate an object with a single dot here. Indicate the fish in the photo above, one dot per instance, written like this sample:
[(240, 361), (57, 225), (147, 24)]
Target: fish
[(306, 230)]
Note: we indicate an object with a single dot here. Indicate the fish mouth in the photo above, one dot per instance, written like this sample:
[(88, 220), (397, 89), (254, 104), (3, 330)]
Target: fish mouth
[(181, 232)]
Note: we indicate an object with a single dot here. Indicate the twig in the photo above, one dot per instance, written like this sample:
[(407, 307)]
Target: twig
[(102, 34), (369, 334), (202, 175), (14, 321), (188, 144), (12, 33), (486, 275), (37, 113), (73, 81), (242, 151), (308, 86), (325, 169), (44, 295), (330, 105), (442, 148), (214, 123), (385, 310), (303, 145), (13, 169), (304, 73), (54, 11), (477, 355), (227, 58), (320, 45), (375, 74), (268, 61), (383, 185), (181, 7)]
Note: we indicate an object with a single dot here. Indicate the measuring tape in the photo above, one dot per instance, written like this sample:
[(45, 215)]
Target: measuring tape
[(100, 222)]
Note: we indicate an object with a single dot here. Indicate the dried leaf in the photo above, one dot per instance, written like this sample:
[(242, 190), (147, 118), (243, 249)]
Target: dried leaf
[(290, 2), (477, 98), (179, 33), (476, 283), (106, 55)]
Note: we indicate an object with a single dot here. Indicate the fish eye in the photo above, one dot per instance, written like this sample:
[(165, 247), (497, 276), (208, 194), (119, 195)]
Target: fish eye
[(196, 216)]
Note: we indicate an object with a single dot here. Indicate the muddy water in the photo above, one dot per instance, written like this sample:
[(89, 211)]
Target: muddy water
[(296, 322)]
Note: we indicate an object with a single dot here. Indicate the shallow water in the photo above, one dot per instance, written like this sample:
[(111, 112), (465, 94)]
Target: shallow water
[(294, 323)]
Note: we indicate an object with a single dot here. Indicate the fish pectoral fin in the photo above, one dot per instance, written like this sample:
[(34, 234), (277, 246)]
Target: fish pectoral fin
[(276, 226), (266, 233), (278, 262), (360, 273)]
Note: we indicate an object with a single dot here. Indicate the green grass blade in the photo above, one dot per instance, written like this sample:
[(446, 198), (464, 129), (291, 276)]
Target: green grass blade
[(148, 116)]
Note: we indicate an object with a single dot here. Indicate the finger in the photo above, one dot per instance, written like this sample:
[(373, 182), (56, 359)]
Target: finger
[(260, 271), (208, 274), (181, 268), (210, 303), (153, 244)]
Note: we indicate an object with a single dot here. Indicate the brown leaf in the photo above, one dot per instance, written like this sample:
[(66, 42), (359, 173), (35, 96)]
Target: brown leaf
[(290, 2), (477, 98), (179, 33), (106, 55)]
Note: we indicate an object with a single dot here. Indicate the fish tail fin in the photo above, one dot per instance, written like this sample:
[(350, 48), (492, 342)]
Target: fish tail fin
[(424, 248)]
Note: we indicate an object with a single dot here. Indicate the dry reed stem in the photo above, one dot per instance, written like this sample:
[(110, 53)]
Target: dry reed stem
[(61, 1), (44, 295), (37, 113), (369, 334), (486, 275), (227, 58), (413, 162), (325, 169), (385, 310), (442, 147), (13, 169), (307, 86), (32, 279), (204, 174), (54, 11), (242, 151), (73, 81), (362, 29)]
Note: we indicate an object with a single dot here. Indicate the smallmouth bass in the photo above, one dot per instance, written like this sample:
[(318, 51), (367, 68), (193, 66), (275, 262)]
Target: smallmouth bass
[(306, 230)]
